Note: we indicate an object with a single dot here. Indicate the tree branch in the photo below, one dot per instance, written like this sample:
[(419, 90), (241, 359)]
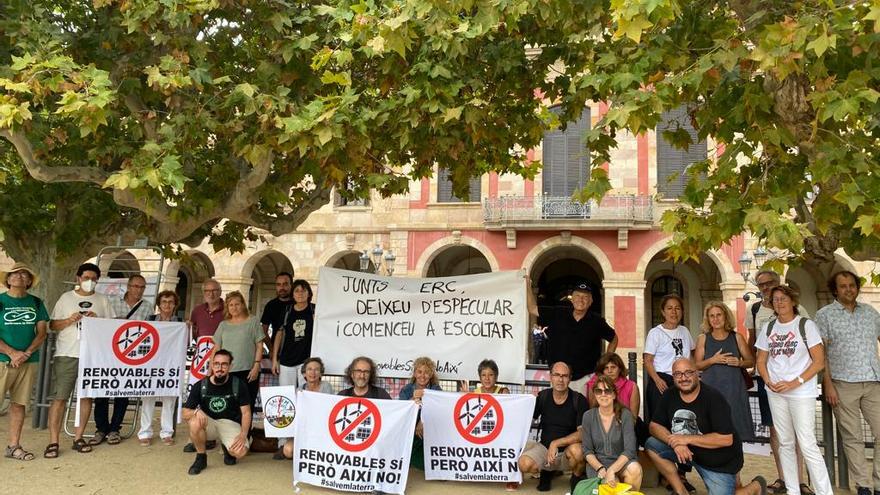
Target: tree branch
[(278, 225), (44, 173)]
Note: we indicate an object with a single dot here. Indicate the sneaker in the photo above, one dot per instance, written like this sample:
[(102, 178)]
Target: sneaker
[(189, 448), (199, 464), (545, 481), (511, 486), (228, 458), (862, 490)]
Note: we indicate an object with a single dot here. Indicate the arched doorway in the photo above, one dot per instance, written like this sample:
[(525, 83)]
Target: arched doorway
[(268, 264), (559, 269), (458, 260), (697, 282), (350, 261), (123, 266), (195, 268)]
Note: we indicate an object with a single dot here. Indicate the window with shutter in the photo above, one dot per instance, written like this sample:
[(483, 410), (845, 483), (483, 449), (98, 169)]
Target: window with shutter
[(672, 162), (339, 200), (565, 157), (444, 189)]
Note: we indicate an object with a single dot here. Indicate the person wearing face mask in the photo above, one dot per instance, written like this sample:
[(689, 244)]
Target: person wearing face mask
[(71, 307)]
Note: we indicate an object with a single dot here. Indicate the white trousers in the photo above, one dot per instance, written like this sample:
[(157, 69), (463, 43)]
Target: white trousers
[(794, 418), (148, 407), (289, 375)]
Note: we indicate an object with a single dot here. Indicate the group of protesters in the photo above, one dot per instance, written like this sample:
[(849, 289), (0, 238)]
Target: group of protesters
[(696, 412)]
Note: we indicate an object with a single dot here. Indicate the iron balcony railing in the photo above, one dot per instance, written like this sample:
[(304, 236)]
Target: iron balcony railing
[(629, 208)]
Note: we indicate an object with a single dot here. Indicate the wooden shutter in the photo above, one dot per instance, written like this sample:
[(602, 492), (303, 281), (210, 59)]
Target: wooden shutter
[(566, 160), (444, 189), (672, 161)]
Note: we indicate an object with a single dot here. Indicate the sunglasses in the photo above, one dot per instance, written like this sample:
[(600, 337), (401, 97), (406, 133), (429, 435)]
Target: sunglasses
[(603, 391)]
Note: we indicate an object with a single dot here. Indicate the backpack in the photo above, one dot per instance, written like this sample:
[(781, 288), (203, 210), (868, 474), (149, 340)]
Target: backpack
[(236, 385), (802, 326), (589, 486)]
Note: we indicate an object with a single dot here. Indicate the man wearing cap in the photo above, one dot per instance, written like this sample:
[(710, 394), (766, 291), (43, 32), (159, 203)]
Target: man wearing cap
[(70, 309), (23, 324), (575, 335)]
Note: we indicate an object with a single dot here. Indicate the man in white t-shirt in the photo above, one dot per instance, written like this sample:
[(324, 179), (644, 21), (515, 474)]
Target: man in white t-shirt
[(71, 307), (757, 316)]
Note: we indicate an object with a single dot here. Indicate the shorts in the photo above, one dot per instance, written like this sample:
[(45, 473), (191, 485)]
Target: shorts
[(19, 382), (64, 371), (764, 403), (538, 453), (224, 430)]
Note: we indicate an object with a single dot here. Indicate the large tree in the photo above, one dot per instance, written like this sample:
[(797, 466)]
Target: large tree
[(788, 90), (179, 119)]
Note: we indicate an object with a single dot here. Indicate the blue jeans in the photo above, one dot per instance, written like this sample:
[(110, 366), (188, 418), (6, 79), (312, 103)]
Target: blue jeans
[(717, 483)]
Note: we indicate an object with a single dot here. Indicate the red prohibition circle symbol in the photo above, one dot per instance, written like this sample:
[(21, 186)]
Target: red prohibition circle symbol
[(354, 424), (478, 418), (135, 342), (199, 368)]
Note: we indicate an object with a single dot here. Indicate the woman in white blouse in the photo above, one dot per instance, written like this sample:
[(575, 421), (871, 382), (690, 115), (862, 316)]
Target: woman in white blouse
[(790, 356)]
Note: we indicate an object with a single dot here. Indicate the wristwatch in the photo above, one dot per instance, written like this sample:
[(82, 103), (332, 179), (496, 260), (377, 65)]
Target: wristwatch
[(800, 380)]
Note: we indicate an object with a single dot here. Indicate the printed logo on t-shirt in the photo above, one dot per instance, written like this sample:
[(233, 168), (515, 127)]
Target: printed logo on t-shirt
[(684, 422), (782, 345), (217, 404), (85, 305), (20, 316), (299, 329), (678, 346)]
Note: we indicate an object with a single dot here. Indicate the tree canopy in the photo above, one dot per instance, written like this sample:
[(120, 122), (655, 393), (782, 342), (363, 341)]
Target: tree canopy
[(195, 118)]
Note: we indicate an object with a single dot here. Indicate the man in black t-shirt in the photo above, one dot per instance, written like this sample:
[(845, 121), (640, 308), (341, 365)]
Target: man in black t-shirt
[(275, 311), (219, 407), (560, 410), (575, 334), (692, 426)]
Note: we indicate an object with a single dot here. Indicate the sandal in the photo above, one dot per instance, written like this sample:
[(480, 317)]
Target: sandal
[(113, 438), (18, 453), (169, 441), (777, 487), (806, 490), (81, 446), (51, 451), (98, 438), (145, 442)]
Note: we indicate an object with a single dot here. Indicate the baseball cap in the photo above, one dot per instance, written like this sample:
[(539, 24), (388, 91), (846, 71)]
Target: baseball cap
[(582, 286)]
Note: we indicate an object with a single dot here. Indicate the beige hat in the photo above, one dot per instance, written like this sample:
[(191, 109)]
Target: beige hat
[(35, 279)]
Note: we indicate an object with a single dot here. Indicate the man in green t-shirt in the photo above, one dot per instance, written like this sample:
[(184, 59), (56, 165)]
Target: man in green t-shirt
[(23, 325)]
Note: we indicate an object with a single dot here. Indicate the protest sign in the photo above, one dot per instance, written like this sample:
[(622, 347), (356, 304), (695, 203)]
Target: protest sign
[(475, 437), (279, 411), (125, 358), (456, 321), (353, 444)]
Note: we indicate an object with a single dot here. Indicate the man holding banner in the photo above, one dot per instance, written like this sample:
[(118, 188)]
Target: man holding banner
[(70, 309), (219, 407)]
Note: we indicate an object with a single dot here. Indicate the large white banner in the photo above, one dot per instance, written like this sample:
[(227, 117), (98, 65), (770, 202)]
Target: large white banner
[(475, 437), (130, 358), (456, 321), (279, 411), (353, 444)]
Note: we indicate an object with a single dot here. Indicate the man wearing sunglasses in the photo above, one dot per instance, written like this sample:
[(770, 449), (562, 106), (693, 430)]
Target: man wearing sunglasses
[(692, 426)]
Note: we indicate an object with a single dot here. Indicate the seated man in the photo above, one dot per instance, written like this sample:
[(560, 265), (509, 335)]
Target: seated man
[(692, 426), (219, 407), (561, 410), (361, 374)]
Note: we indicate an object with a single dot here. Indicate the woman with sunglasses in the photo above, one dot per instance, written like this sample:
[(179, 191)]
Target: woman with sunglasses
[(609, 438)]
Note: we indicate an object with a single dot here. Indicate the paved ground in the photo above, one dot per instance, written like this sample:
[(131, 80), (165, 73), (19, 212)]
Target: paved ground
[(155, 470)]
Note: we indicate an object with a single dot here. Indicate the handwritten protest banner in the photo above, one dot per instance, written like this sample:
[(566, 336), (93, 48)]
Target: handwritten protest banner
[(353, 444), (457, 321), (475, 437), (125, 358)]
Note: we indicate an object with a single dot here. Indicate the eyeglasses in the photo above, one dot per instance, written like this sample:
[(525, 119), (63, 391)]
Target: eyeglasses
[(603, 391), (20, 274), (781, 299), (363, 372), (681, 374), (211, 291), (766, 284), (559, 375)]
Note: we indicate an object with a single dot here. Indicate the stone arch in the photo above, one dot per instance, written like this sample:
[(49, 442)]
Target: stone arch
[(261, 269), (721, 261), (591, 248), (437, 247)]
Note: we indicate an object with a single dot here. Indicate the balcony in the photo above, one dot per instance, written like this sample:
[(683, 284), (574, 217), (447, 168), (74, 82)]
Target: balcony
[(543, 212)]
